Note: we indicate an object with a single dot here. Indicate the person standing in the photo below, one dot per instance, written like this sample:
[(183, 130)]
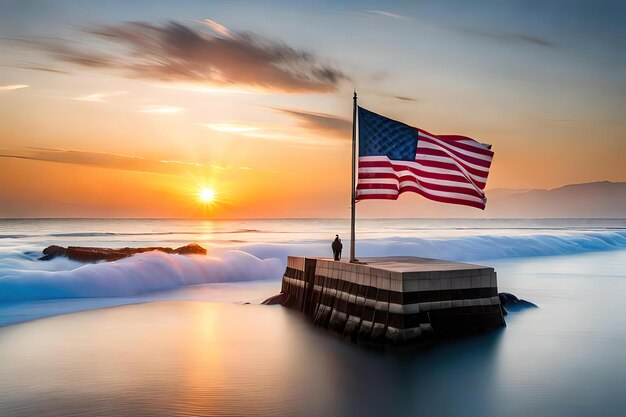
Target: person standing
[(337, 246)]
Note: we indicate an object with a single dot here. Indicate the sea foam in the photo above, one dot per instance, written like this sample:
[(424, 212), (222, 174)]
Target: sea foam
[(463, 248), (143, 273), (22, 277)]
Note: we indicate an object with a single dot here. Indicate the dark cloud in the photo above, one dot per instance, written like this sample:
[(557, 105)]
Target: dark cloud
[(62, 51), (403, 98), (40, 68), (321, 123), (505, 36), (531, 39), (176, 52), (93, 159)]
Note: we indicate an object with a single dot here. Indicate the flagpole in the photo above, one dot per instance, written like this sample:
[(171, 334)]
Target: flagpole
[(353, 200)]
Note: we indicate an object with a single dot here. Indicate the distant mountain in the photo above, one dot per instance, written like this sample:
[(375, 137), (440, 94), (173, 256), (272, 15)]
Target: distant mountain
[(594, 199)]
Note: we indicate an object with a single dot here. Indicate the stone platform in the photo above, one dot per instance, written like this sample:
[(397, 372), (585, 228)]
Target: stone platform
[(393, 300)]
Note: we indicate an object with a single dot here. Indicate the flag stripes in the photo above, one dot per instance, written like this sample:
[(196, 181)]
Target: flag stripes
[(447, 168)]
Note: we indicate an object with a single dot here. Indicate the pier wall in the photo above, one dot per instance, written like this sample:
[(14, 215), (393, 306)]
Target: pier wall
[(393, 300)]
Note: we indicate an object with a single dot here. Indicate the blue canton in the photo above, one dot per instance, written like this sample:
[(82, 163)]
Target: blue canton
[(380, 136)]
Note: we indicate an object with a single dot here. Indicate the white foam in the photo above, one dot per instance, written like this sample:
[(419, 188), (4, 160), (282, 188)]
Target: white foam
[(464, 248), (147, 272), (22, 277)]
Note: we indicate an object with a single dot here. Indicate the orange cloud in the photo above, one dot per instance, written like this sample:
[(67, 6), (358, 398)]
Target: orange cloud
[(100, 97), (161, 109), (8, 87), (222, 30), (106, 160)]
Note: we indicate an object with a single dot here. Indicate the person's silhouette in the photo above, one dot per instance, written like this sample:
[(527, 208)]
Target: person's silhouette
[(337, 247)]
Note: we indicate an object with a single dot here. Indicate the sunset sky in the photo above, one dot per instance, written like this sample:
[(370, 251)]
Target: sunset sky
[(130, 108)]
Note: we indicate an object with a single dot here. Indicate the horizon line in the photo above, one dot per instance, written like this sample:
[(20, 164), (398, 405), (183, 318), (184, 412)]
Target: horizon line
[(309, 218)]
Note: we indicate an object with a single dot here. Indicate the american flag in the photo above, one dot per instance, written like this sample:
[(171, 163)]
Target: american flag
[(396, 158)]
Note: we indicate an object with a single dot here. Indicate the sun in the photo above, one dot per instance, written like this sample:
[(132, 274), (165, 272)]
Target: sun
[(206, 195)]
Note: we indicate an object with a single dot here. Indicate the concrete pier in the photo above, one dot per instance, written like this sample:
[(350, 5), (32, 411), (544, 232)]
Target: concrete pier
[(393, 300)]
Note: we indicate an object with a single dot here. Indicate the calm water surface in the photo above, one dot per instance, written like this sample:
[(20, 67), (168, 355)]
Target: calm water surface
[(198, 350)]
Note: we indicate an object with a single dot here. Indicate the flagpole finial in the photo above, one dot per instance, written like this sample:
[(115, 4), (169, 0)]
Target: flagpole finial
[(354, 93)]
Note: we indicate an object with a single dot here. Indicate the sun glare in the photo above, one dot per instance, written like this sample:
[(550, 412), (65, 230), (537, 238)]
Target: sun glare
[(207, 195)]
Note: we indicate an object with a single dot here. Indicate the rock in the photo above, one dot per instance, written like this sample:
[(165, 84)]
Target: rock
[(512, 303), (190, 249), (88, 254), (278, 299), (52, 252), (507, 298), (91, 254)]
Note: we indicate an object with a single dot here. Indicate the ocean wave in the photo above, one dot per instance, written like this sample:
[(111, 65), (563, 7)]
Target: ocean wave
[(13, 236), (143, 273), (22, 277), (212, 232), (463, 248), (110, 234), (471, 248)]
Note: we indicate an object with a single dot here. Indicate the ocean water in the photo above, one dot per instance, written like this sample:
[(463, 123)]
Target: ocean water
[(187, 336)]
